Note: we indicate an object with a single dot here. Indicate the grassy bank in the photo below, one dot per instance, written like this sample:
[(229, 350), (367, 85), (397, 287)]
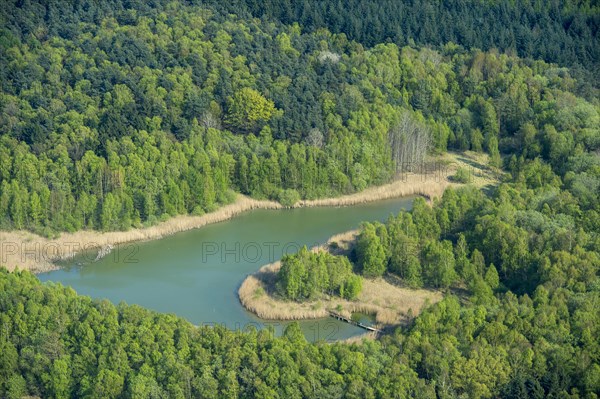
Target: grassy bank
[(390, 303), (30, 251), (36, 253)]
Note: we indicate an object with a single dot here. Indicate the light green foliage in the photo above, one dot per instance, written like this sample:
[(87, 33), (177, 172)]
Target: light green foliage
[(288, 197), (404, 256), (109, 384), (59, 380), (293, 275), (462, 175), (476, 140), (308, 275), (371, 252), (477, 262), (248, 110), (16, 387), (439, 263), (351, 287), (495, 159), (491, 277), (425, 220)]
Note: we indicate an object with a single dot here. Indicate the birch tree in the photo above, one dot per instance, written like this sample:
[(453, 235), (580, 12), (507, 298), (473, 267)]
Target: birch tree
[(409, 140)]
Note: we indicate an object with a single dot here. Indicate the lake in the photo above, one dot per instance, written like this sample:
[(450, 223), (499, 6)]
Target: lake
[(196, 274)]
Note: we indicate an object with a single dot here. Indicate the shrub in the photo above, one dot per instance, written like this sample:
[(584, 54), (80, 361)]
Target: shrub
[(259, 292), (352, 287), (288, 197), (462, 175)]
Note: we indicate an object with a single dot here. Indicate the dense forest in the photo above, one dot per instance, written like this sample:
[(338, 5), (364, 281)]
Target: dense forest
[(117, 114), (526, 327), (116, 117), (559, 31)]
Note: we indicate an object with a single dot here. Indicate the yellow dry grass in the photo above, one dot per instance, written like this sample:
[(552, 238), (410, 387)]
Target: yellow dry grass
[(412, 184), (390, 303), (29, 251), (357, 339), (482, 175), (32, 252)]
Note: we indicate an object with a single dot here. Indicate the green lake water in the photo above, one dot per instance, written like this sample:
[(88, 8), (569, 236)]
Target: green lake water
[(196, 274)]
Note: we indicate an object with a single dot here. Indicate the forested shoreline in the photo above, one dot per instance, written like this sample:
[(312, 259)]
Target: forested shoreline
[(118, 114), (525, 331), (127, 118)]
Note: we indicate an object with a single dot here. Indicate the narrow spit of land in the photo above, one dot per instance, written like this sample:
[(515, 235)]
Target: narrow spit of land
[(32, 252), (385, 298)]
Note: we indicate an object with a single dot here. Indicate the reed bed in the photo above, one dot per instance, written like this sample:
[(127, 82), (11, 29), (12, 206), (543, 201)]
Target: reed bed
[(357, 339), (35, 253), (405, 186), (29, 251), (389, 303)]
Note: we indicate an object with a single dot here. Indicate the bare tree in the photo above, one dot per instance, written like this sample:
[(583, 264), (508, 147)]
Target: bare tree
[(409, 141), (208, 120), (427, 54), (315, 138), (329, 56)]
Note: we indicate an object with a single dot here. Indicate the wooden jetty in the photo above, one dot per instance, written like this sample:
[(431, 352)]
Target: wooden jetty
[(356, 323)]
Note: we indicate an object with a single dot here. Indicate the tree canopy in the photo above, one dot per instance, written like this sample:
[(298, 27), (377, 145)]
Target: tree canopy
[(120, 114), (117, 114), (309, 275)]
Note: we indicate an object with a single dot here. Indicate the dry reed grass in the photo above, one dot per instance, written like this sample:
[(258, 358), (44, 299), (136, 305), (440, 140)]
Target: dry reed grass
[(413, 184), (35, 253), (389, 303), (357, 339), (32, 252)]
